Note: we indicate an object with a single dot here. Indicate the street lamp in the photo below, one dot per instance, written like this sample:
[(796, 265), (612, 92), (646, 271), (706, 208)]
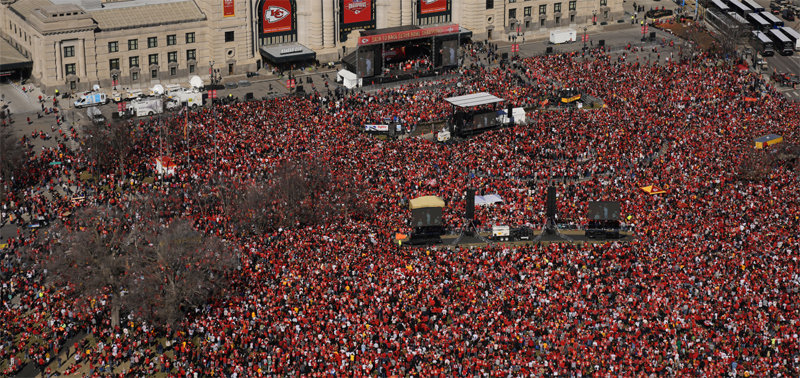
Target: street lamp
[(585, 37), (211, 71), (594, 16)]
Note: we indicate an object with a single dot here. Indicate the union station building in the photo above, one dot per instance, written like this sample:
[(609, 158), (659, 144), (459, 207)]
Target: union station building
[(75, 44)]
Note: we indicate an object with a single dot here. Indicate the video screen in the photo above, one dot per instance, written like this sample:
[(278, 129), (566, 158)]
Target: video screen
[(428, 216), (604, 210), (450, 53)]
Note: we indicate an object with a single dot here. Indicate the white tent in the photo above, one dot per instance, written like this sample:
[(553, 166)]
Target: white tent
[(488, 199), (349, 79)]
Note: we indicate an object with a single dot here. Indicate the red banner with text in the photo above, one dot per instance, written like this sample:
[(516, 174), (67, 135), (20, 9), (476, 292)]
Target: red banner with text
[(355, 11), (277, 16), (228, 8), (432, 6), (408, 35)]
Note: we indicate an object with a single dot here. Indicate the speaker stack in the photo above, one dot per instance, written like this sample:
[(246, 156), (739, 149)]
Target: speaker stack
[(470, 213)]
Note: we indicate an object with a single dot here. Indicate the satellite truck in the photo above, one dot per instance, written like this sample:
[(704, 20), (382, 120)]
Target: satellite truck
[(145, 106), (563, 36)]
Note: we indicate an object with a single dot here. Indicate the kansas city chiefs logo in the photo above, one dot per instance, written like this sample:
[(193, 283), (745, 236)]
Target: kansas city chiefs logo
[(357, 6), (275, 14)]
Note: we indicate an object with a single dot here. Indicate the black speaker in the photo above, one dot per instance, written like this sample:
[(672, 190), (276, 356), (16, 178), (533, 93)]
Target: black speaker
[(504, 56), (652, 36), (470, 213), (550, 49), (114, 115), (601, 43), (551, 201), (248, 96), (300, 89)]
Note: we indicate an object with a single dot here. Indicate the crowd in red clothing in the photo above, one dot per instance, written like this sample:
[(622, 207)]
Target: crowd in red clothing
[(708, 287)]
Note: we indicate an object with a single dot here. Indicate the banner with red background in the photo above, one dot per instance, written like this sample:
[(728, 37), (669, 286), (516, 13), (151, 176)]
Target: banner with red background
[(277, 16), (355, 11), (228, 8), (432, 6)]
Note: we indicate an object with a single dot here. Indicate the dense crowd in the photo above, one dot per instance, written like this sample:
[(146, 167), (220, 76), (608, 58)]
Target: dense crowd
[(708, 286)]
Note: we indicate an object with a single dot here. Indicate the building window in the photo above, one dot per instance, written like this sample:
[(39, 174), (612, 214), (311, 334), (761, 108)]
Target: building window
[(527, 11), (558, 20), (512, 1), (229, 36), (133, 44), (603, 3), (69, 51), (172, 57), (152, 59), (191, 68), (541, 22), (113, 47), (113, 64), (173, 71), (152, 42), (154, 74), (557, 7), (190, 37), (69, 69), (191, 54), (73, 85), (572, 18), (171, 40), (543, 9), (527, 24), (134, 76), (489, 4), (512, 13), (133, 61), (573, 5)]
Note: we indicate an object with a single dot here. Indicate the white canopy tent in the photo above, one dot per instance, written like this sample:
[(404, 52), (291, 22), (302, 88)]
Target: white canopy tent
[(349, 79), (474, 99), (488, 199)]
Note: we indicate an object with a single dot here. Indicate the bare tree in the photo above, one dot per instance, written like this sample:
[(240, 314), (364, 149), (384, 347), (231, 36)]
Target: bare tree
[(110, 145), (755, 165), (152, 267), (296, 194), (178, 271), (12, 157)]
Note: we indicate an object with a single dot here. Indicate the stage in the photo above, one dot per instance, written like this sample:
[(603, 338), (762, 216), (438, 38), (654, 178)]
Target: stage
[(577, 237)]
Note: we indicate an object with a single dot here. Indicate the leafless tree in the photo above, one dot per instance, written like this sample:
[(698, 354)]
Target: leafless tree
[(12, 157), (155, 268), (110, 145), (755, 165), (296, 194)]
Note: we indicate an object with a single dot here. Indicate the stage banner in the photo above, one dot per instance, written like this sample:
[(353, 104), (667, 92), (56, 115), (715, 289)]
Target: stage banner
[(356, 11), (228, 8), (277, 16), (432, 6), (408, 34), (376, 128)]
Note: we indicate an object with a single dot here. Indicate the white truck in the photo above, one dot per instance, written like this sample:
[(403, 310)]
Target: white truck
[(95, 115), (91, 99), (563, 36), (146, 106), (189, 98)]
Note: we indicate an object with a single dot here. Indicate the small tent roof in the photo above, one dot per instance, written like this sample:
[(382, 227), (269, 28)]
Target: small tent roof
[(426, 201), (475, 99)]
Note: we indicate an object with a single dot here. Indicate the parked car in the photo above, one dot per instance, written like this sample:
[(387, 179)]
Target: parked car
[(787, 15), (244, 83), (231, 85)]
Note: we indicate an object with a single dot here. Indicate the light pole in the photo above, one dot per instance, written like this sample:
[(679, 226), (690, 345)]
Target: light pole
[(585, 37), (211, 71)]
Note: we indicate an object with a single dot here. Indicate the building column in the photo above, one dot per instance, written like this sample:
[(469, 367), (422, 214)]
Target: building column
[(406, 12), (315, 24), (328, 23), (82, 58), (59, 66)]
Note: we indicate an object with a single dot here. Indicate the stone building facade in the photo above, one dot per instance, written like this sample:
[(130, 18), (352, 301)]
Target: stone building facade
[(137, 43)]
